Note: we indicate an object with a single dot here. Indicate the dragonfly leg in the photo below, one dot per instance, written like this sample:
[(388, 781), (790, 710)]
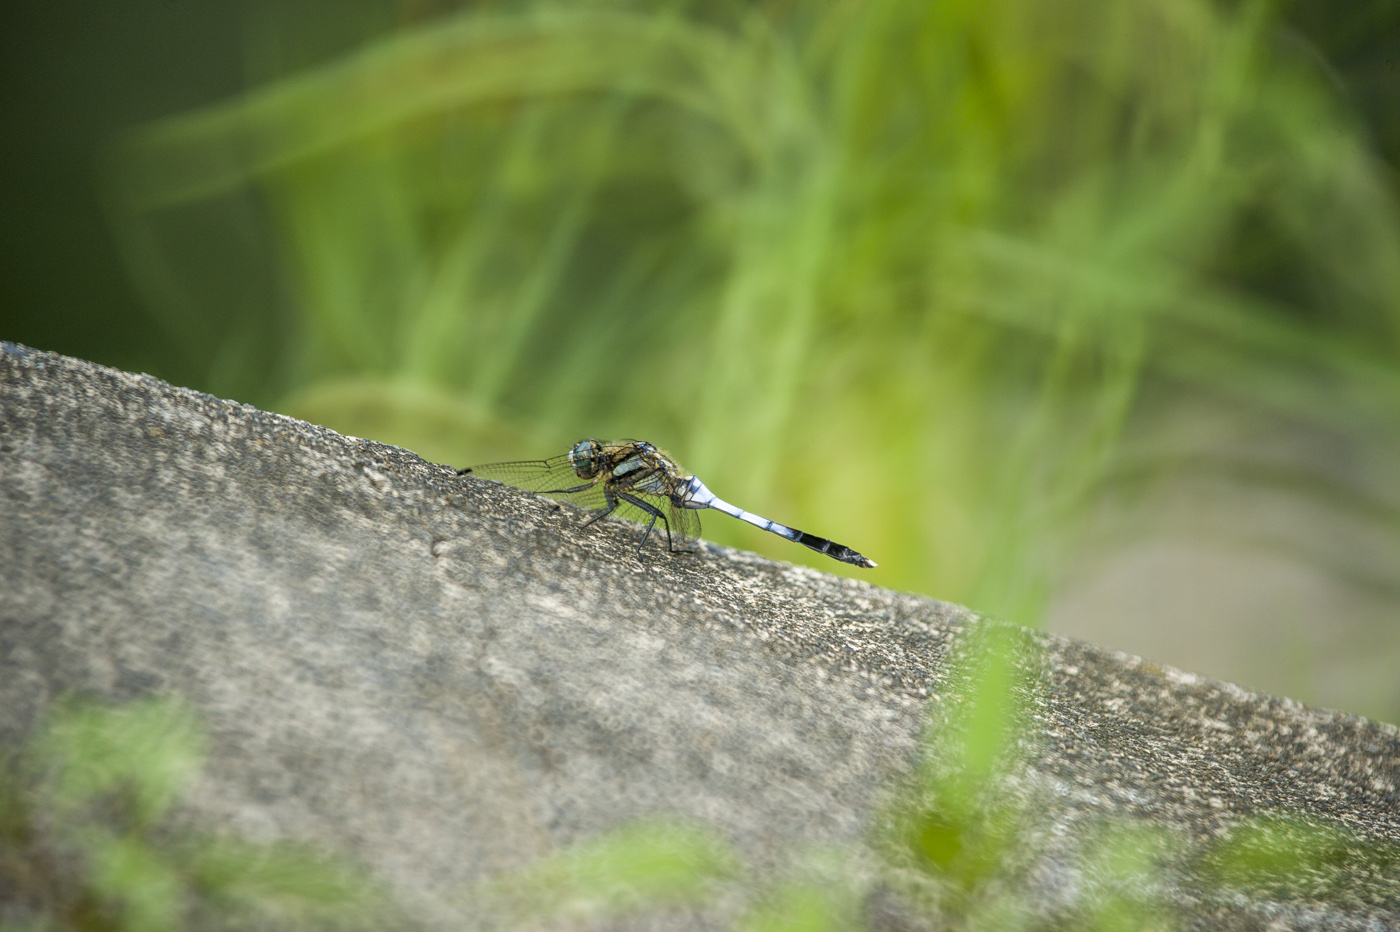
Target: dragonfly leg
[(577, 488), (654, 512), (612, 506)]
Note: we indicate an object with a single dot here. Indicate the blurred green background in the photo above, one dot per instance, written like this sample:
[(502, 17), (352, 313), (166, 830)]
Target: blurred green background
[(1083, 313)]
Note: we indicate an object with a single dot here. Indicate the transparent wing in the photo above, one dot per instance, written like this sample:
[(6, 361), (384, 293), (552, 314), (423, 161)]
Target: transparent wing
[(678, 528), (554, 477), (685, 527)]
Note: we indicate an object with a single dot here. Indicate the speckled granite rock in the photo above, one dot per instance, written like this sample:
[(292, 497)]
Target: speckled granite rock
[(445, 679)]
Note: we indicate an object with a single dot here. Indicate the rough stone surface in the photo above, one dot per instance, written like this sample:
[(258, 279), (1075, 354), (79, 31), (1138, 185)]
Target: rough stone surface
[(445, 678)]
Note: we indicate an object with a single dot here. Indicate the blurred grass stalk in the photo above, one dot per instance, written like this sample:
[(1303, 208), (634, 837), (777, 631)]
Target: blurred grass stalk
[(948, 256)]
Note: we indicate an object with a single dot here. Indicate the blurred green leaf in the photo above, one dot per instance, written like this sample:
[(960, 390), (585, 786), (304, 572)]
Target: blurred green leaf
[(148, 751), (1297, 857), (145, 888), (800, 907), (641, 865), (288, 886), (85, 843)]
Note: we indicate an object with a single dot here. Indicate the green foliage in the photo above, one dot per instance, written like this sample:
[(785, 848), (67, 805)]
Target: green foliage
[(824, 253), (659, 868), (954, 837), (981, 251), (86, 841), (641, 865), (801, 907), (1281, 855), (148, 753), (958, 844)]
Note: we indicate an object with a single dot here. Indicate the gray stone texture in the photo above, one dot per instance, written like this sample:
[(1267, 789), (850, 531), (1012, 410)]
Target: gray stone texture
[(444, 679)]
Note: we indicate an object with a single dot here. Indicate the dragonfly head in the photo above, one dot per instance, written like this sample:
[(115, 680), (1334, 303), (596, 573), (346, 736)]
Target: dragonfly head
[(587, 458)]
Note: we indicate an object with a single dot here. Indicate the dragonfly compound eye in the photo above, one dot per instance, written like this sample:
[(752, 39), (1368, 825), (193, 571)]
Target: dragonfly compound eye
[(587, 458)]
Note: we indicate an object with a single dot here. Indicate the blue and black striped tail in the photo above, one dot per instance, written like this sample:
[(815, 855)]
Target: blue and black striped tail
[(832, 549)]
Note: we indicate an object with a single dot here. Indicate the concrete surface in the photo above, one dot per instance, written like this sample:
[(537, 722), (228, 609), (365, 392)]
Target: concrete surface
[(445, 679)]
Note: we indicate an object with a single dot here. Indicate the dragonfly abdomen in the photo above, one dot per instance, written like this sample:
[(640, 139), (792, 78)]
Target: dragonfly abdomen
[(832, 549), (699, 496), (782, 530)]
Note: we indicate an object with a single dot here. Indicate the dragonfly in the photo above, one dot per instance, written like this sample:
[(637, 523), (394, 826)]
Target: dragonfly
[(635, 479)]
